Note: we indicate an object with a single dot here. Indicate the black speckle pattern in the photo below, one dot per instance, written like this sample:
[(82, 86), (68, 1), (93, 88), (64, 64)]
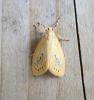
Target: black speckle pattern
[(57, 63), (39, 62)]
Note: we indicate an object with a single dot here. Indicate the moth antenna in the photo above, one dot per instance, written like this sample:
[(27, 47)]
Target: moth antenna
[(56, 23), (42, 25), (36, 27)]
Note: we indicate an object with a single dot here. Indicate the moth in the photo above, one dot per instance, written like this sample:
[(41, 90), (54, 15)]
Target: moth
[(48, 54)]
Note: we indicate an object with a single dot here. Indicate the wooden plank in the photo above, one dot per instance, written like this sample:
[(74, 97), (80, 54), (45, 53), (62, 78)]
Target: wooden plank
[(85, 15), (47, 86), (0, 41), (15, 50)]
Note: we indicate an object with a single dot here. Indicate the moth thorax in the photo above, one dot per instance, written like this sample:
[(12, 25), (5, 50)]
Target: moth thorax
[(50, 33)]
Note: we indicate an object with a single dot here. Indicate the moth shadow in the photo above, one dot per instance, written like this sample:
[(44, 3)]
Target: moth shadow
[(49, 74)]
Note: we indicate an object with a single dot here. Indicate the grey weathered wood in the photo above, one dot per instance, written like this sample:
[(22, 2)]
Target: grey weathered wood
[(85, 14), (0, 40), (15, 50), (19, 39), (47, 86)]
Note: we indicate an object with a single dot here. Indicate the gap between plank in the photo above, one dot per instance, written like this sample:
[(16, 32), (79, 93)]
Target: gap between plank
[(79, 49), (1, 48)]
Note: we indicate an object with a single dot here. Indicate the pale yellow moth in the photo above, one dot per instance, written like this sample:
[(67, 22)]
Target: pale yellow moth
[(48, 54)]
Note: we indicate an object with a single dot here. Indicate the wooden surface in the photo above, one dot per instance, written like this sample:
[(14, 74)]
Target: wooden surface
[(18, 40), (0, 40), (85, 12)]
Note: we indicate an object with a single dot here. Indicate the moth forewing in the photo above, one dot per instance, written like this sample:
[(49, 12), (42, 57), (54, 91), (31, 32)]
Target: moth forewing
[(39, 60), (57, 60)]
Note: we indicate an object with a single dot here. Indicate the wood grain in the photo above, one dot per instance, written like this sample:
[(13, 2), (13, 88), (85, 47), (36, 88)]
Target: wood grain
[(15, 50), (0, 40), (47, 86), (19, 40), (85, 15)]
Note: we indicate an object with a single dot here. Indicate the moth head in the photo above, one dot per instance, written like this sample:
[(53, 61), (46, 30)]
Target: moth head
[(50, 29)]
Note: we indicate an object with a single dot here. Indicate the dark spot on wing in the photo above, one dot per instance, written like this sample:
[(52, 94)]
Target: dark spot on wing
[(57, 62)]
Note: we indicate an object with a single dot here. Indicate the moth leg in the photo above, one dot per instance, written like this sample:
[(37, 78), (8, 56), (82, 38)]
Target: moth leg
[(31, 55), (64, 39), (56, 23), (42, 25)]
